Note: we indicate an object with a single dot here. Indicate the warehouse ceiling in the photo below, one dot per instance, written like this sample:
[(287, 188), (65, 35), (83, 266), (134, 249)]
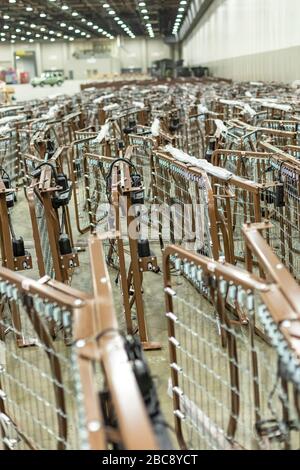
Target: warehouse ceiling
[(51, 20)]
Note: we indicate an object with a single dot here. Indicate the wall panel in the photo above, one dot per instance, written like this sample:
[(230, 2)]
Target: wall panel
[(139, 52), (248, 39)]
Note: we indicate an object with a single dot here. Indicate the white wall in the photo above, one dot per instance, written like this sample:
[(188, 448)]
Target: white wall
[(139, 52), (5, 57), (248, 39)]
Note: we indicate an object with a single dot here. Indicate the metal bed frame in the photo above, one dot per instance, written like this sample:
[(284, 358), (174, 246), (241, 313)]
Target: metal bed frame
[(63, 400), (47, 229)]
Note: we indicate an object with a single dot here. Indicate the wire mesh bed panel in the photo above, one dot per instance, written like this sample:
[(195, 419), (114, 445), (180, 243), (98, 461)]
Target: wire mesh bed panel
[(278, 176), (186, 195), (231, 388), (39, 399)]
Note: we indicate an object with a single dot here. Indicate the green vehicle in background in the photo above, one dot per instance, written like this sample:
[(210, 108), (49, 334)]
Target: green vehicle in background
[(51, 78)]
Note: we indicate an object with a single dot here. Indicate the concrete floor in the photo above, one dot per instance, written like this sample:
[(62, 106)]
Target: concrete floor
[(27, 92)]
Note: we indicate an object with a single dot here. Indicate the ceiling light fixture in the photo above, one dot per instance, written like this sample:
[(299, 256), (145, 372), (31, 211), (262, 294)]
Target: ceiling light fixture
[(179, 17)]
